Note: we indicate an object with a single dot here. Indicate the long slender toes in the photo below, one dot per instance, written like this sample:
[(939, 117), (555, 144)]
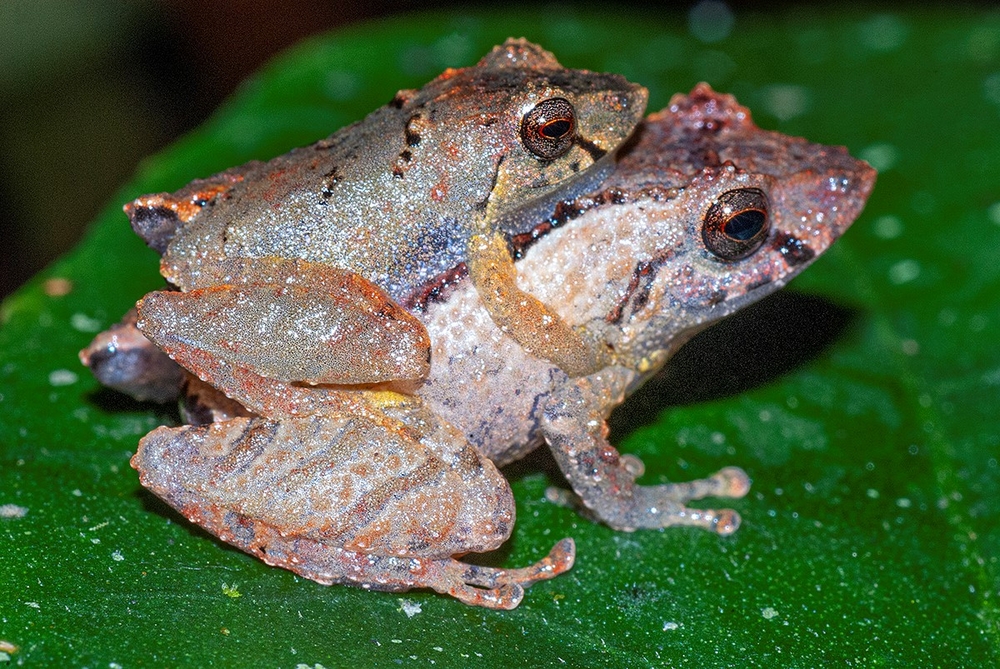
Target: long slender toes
[(559, 560), (721, 521), (506, 597), (729, 482)]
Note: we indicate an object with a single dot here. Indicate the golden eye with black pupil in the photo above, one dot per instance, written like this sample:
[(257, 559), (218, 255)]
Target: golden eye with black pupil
[(736, 224), (548, 130)]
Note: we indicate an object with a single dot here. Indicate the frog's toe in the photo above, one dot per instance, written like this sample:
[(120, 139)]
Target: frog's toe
[(733, 483), (496, 588), (726, 522), (506, 597)]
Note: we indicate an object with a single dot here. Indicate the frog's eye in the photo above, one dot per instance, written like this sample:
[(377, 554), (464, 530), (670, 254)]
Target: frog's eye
[(736, 224), (549, 129)]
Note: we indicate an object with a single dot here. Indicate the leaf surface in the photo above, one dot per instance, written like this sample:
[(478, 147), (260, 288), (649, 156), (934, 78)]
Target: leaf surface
[(863, 402)]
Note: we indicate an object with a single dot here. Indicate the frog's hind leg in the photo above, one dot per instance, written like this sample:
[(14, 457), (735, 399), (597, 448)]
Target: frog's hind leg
[(603, 481), (341, 498), (289, 321), (532, 323)]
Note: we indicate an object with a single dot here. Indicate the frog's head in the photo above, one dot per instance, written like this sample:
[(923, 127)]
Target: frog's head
[(704, 214), (750, 209), (535, 125)]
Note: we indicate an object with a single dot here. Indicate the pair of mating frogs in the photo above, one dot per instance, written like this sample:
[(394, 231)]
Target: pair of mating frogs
[(363, 329)]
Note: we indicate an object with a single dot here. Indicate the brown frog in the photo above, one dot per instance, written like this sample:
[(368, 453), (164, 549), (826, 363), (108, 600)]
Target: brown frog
[(369, 485), (438, 178)]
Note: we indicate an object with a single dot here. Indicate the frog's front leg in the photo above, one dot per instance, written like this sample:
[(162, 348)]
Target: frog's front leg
[(339, 498), (290, 321), (532, 323), (603, 481)]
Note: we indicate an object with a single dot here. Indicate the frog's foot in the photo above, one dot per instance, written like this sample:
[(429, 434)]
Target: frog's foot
[(503, 588), (603, 481), (489, 587), (665, 503), (123, 359), (535, 326), (289, 321)]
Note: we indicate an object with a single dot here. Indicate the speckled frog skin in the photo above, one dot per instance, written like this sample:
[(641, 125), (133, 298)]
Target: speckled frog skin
[(381, 486), (439, 177)]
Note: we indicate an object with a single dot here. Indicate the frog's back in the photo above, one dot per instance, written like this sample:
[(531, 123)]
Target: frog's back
[(396, 196), (342, 201)]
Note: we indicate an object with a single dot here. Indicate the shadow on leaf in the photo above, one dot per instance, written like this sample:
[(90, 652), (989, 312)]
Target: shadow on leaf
[(750, 349)]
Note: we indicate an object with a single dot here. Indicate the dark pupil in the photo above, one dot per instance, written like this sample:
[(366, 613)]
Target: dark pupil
[(556, 129), (744, 225)]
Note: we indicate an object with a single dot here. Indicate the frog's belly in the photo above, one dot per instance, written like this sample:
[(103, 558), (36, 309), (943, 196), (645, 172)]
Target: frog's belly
[(482, 381)]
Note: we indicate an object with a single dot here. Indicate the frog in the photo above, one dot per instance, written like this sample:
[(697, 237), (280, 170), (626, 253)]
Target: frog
[(440, 176), (386, 488)]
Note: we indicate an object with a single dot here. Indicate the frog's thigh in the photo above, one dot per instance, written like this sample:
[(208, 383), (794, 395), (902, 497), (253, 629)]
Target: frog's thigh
[(342, 499), (123, 359), (604, 481), (292, 333), (536, 327)]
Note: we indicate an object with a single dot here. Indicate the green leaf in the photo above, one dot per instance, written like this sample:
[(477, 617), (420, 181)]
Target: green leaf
[(864, 404)]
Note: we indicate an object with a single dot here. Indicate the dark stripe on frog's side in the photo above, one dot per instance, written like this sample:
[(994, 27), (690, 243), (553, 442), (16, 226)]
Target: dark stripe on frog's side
[(565, 211), (638, 286), (438, 289)]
